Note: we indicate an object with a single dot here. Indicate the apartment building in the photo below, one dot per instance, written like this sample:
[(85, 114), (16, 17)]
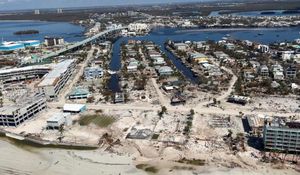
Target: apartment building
[(284, 137), (25, 109), (56, 79)]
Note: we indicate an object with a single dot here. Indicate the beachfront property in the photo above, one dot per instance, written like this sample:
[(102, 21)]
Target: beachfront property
[(23, 73), (91, 73), (282, 136), (59, 119), (55, 80), (17, 45), (25, 109)]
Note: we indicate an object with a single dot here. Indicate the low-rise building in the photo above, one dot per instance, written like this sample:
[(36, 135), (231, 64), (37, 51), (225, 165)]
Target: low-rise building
[(286, 55), (229, 46), (59, 119), (181, 46), (165, 70), (91, 73), (198, 58), (159, 61), (238, 99), (277, 72), (221, 55), (264, 71), (249, 74), (74, 108), (291, 71), (79, 93)]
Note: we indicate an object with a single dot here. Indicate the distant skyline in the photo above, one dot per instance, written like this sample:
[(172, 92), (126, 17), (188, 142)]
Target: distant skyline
[(41, 4)]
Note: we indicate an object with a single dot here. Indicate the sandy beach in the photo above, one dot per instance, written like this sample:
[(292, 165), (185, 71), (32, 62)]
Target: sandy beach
[(27, 160)]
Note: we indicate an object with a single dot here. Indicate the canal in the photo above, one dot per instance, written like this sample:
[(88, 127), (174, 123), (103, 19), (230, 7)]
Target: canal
[(160, 35)]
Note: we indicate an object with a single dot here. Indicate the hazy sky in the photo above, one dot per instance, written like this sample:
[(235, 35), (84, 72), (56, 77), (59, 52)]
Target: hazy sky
[(35, 4)]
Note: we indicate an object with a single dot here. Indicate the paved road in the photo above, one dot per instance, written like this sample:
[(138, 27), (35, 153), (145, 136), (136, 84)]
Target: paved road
[(74, 80), (186, 108)]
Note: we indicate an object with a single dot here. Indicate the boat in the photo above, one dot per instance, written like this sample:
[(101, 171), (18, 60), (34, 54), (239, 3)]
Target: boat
[(227, 35), (260, 34), (224, 38), (111, 72)]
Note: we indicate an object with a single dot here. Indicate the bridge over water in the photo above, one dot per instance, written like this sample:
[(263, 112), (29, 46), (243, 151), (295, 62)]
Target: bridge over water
[(82, 43)]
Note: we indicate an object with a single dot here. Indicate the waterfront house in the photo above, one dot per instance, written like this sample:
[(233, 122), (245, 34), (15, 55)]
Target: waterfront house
[(159, 61), (59, 119), (165, 70), (198, 58), (181, 46)]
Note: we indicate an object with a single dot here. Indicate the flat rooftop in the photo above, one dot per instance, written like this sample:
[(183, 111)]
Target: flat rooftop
[(57, 71), (27, 68)]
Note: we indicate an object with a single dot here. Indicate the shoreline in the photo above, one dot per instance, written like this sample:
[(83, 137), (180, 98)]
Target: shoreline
[(220, 29), (18, 139)]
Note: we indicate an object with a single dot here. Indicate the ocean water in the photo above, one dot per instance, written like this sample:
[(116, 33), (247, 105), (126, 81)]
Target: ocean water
[(68, 31)]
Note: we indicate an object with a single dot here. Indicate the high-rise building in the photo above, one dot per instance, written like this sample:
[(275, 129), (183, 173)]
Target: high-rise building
[(37, 12), (59, 11)]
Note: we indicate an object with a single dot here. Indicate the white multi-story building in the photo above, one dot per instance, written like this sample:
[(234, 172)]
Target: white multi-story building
[(284, 137), (263, 48), (91, 73), (23, 73), (25, 109), (55, 80)]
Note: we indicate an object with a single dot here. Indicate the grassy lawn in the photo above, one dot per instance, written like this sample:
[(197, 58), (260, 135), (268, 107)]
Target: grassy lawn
[(97, 119)]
